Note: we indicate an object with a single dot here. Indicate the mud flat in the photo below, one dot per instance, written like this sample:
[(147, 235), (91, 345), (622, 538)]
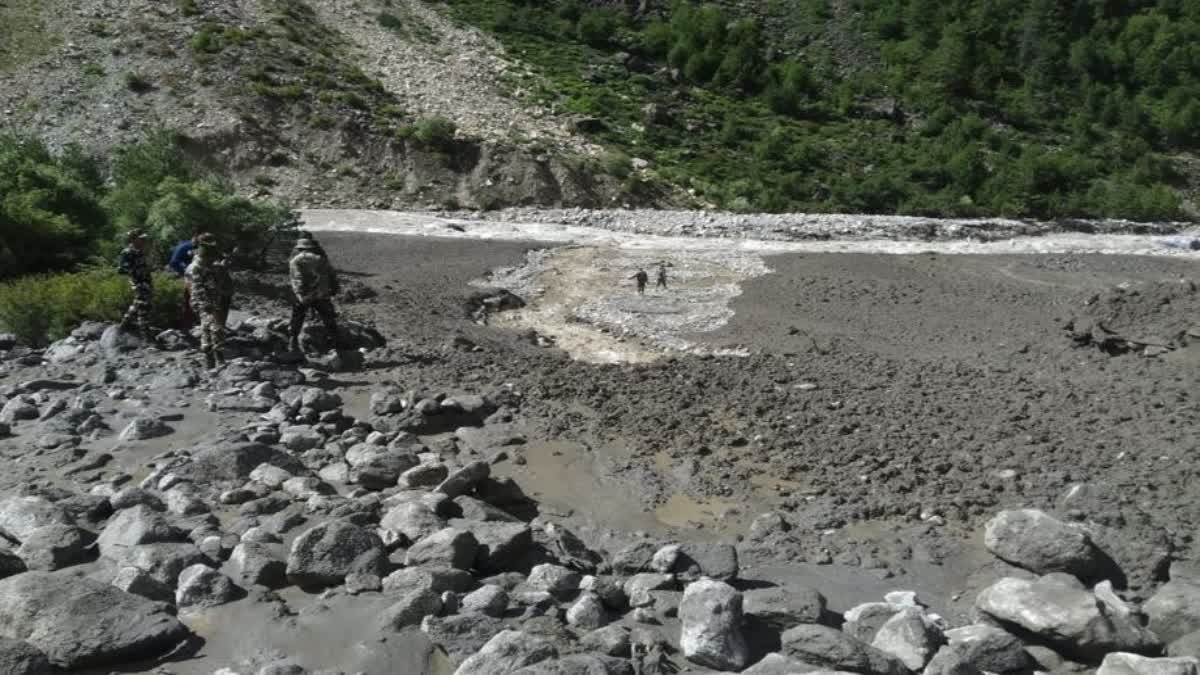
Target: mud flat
[(818, 428)]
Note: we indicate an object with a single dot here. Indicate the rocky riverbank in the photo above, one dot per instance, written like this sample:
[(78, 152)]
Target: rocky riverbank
[(454, 497)]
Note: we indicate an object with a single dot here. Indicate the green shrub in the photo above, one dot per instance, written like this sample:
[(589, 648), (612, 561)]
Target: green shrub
[(50, 212), (390, 21), (43, 308), (597, 27), (435, 132), (137, 83), (617, 164)]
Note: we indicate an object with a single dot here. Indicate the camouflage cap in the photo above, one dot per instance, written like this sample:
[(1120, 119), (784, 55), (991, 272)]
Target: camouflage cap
[(206, 241), (306, 244), (137, 234)]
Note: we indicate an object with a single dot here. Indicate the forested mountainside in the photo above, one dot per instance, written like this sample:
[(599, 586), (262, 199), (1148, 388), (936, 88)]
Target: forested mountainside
[(1027, 108)]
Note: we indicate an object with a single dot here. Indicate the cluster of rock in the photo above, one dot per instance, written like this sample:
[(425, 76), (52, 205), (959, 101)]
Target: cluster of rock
[(1149, 319), (250, 337), (308, 496)]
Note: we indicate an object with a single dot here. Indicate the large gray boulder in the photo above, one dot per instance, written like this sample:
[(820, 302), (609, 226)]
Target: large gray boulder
[(695, 560), (233, 462), (139, 582), (163, 562), (580, 664), (1132, 664), (950, 660), (136, 526), (587, 613), (507, 652), (439, 579), (20, 516), (413, 520), (448, 547), (710, 615), (81, 623), (21, 658), (1065, 615), (411, 607), (779, 664), (1033, 540), (461, 635), (255, 564), (502, 546), (377, 468), (781, 608), (464, 480), (910, 636), (487, 599), (1188, 645), (1174, 610), (990, 649), (553, 579), (54, 547), (325, 554), (203, 586), (826, 648)]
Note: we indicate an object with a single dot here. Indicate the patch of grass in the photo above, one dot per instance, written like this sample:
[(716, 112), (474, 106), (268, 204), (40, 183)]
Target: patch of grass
[(39, 309), (27, 31), (189, 8), (137, 83), (401, 21), (93, 69)]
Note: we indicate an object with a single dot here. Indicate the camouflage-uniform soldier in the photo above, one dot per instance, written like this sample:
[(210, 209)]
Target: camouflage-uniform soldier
[(642, 279), (133, 265), (211, 286), (313, 283)]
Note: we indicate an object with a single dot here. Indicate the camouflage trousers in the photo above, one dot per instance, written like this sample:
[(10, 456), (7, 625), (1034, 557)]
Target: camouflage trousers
[(212, 330), (138, 314)]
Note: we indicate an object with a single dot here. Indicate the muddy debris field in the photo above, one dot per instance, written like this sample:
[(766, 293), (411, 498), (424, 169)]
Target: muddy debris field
[(778, 463)]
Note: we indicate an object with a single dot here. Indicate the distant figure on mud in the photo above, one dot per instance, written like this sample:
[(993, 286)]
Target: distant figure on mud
[(661, 282), (313, 283), (642, 279)]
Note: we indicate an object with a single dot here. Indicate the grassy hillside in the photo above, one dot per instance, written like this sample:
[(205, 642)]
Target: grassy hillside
[(1038, 108), (1029, 108)]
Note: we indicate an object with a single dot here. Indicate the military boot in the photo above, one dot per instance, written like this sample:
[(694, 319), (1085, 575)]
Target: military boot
[(219, 357), (210, 359), (294, 344)]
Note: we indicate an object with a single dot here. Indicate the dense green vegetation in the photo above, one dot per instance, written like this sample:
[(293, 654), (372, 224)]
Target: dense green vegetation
[(1039, 108), (41, 308), (58, 211)]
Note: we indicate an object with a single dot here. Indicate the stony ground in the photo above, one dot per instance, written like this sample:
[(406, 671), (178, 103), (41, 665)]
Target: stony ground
[(406, 504)]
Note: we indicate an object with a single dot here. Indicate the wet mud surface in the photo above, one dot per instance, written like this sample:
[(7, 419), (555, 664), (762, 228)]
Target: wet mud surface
[(918, 393), (886, 405)]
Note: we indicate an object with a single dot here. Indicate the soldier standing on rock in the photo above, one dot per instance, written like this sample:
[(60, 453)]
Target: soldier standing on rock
[(662, 276), (211, 287), (642, 279), (132, 264), (313, 284)]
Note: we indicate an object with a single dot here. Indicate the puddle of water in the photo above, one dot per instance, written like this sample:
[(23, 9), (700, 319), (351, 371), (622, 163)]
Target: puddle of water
[(769, 482), (570, 476), (684, 512)]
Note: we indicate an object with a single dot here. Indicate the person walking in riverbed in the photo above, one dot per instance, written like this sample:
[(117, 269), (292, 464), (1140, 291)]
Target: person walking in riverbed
[(661, 282), (313, 284), (642, 279)]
